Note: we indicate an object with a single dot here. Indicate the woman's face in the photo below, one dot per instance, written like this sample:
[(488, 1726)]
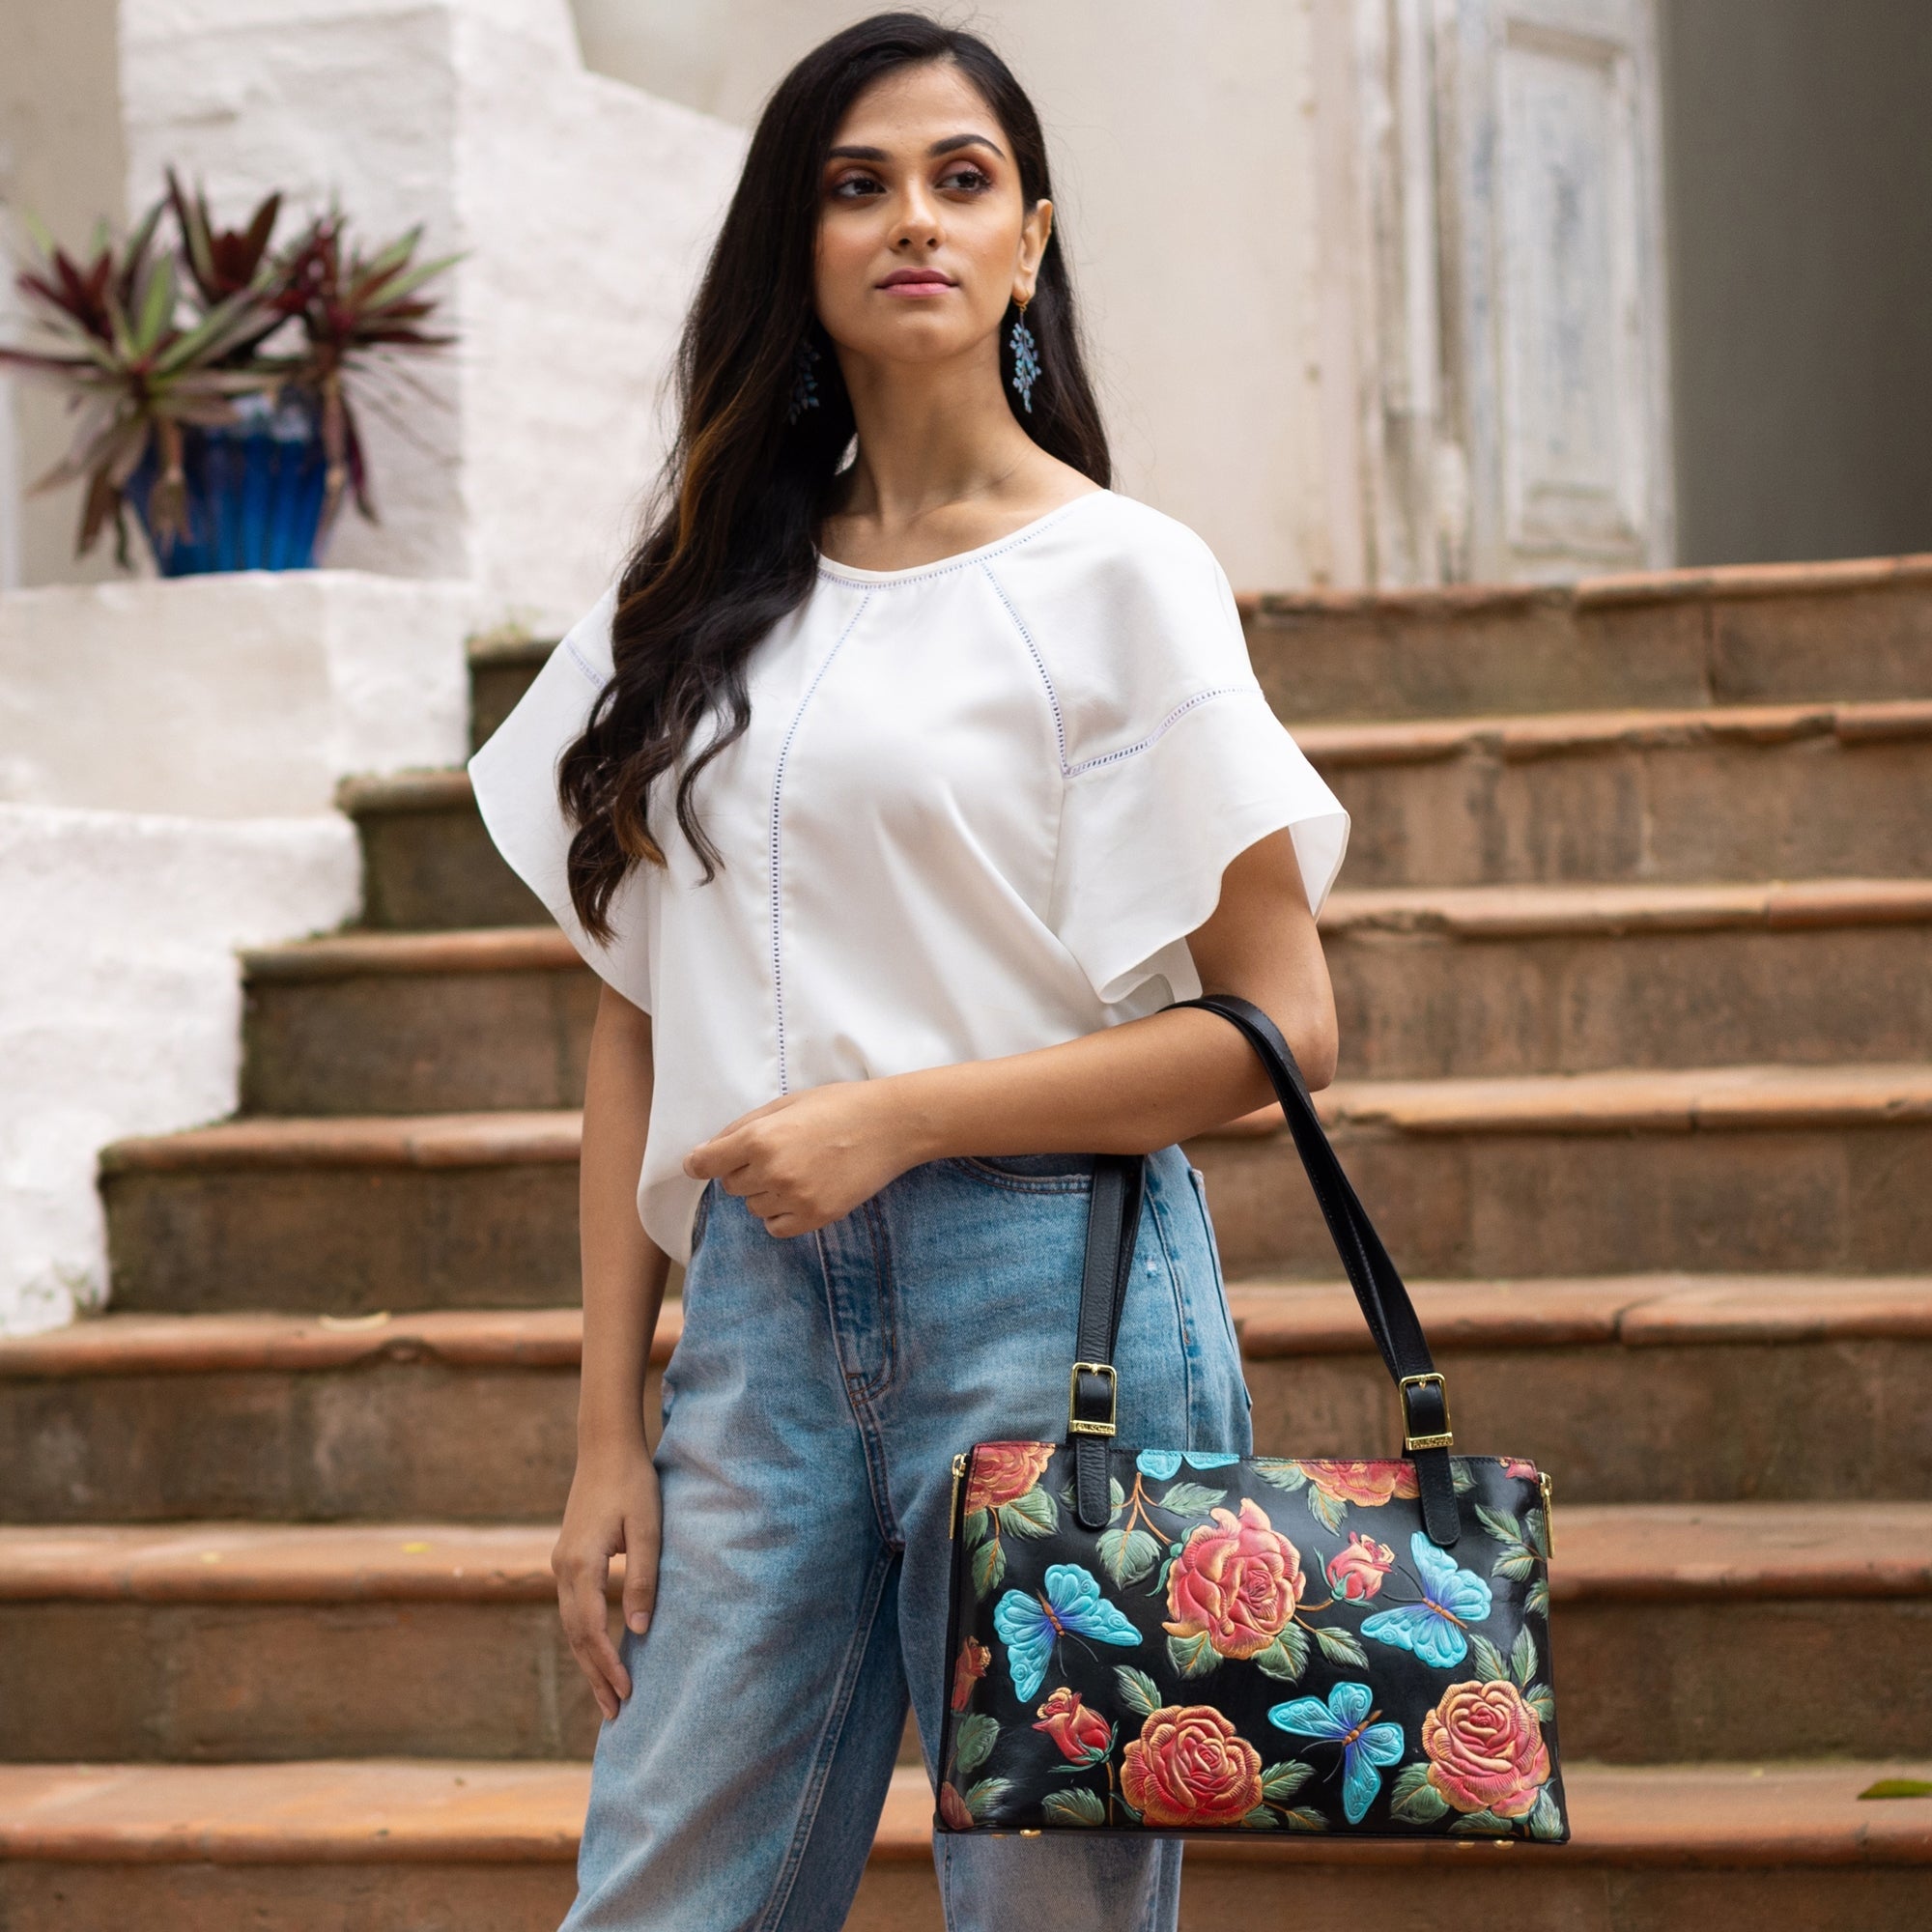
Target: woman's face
[(923, 234)]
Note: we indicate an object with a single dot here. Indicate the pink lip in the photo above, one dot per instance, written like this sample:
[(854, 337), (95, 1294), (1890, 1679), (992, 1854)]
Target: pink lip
[(916, 282)]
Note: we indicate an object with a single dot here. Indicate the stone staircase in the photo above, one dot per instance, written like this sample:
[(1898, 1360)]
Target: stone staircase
[(1633, 957)]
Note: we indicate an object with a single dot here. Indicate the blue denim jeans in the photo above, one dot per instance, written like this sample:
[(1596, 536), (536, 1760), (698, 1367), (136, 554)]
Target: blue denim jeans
[(812, 1407)]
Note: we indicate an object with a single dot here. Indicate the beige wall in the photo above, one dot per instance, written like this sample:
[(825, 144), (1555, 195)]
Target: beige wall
[(1186, 156), (61, 158)]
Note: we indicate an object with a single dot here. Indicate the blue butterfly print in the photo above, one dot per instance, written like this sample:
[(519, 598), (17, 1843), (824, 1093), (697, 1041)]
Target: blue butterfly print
[(1433, 1629), (1161, 1464), (1031, 1624), (1345, 1720)]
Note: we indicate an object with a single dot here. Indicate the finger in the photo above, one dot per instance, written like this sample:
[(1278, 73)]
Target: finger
[(582, 1609), (641, 1575)]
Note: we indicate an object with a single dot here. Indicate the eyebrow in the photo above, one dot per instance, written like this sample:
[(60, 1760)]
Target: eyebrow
[(949, 146)]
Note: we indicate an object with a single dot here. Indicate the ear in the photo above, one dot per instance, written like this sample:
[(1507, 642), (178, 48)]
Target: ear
[(1035, 231)]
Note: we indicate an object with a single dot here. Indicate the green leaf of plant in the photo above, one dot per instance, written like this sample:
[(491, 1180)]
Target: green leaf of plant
[(1500, 1524), (1192, 1656), (1304, 1818), (1030, 1515), (978, 1526), (1417, 1802), (1327, 1509), (1537, 1603), (1117, 1497), (1189, 1499), (1279, 1471), (1461, 1475), (1339, 1646), (980, 1798), (1138, 1691), (1073, 1808), (978, 1734), (1516, 1564), (1283, 1659), (1539, 1700), (1489, 1659), (1281, 1782), (1259, 1819), (1522, 1657), (1128, 1554), (1545, 1821), (1483, 1823), (1408, 1779), (1536, 1533), (989, 1567)]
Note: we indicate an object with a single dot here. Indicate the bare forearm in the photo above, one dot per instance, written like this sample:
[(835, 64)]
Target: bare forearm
[(624, 1270), (1126, 1089)]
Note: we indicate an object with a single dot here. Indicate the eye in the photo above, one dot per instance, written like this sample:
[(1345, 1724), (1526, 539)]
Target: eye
[(856, 187), (967, 176)]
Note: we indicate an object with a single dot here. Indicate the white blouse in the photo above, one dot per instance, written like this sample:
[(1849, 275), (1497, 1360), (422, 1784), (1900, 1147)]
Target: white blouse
[(979, 807)]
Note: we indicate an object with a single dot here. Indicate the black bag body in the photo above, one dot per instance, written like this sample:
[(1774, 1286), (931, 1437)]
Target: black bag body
[(1148, 1640)]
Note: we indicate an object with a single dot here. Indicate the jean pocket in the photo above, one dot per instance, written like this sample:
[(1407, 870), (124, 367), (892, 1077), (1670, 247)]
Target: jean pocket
[(1028, 1172), (1198, 1182)]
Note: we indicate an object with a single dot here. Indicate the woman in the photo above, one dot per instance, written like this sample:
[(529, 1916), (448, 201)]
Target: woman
[(893, 792)]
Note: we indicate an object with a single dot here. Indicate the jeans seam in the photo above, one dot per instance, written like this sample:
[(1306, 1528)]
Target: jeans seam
[(1020, 1183), (780, 1896), (1157, 1212)]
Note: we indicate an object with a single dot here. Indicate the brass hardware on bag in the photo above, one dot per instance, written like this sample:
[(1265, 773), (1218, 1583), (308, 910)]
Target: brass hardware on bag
[(1075, 1424), (1548, 1515), (958, 1476), (1029, 1831), (1442, 1438)]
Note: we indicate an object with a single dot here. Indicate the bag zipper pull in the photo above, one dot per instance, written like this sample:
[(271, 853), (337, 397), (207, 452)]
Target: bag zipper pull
[(959, 1475), (1549, 1517)]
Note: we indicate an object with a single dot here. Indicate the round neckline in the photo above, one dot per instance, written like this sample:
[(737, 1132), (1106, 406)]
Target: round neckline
[(830, 566)]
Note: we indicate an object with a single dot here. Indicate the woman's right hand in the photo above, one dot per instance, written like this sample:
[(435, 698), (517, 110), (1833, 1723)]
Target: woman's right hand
[(613, 1506)]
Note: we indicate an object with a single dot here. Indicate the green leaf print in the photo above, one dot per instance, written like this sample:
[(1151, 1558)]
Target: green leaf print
[(1073, 1808), (1545, 1821), (1259, 1819), (1339, 1646), (1281, 1782), (1192, 1656), (1138, 1691), (1522, 1657), (1279, 1471), (1189, 1499), (978, 1735), (989, 1568), (980, 1798), (1128, 1554), (1030, 1515), (1414, 1799), (1490, 1663)]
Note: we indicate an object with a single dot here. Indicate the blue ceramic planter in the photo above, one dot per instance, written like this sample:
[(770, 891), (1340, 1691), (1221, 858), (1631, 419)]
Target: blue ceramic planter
[(254, 490)]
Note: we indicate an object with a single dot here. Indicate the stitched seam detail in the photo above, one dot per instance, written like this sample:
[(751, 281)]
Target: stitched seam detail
[(978, 559), (1038, 665), (828, 1749), (1154, 737), (584, 665), (776, 848), (1019, 1183), (1158, 732)]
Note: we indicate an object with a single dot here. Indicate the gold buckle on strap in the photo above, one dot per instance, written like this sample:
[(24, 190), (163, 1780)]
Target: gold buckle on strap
[(1445, 1436), (1078, 1425)]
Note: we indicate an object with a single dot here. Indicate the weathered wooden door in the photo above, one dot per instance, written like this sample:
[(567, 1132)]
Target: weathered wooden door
[(1520, 424)]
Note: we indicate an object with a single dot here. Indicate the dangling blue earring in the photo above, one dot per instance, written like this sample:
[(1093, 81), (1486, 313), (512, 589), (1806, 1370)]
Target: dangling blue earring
[(803, 380), (1025, 356)]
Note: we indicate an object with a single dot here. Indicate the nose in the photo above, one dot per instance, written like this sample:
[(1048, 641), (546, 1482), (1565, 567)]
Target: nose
[(918, 226)]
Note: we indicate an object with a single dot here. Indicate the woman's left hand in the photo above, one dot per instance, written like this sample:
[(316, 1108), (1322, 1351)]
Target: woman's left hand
[(805, 1159)]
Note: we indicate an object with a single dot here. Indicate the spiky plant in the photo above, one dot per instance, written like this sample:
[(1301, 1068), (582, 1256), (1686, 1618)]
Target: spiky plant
[(137, 370), (353, 308)]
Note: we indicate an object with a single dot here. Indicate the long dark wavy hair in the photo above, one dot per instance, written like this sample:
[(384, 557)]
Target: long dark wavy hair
[(733, 547)]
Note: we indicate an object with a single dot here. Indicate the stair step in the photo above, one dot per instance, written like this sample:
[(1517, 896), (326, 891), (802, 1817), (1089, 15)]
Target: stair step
[(427, 861), (388, 1023), (1508, 981), (1730, 1168), (1754, 1386), (1566, 1174), (347, 1215), (280, 1640), (1753, 791), (402, 1844), (1743, 633), (1472, 979), (1685, 793)]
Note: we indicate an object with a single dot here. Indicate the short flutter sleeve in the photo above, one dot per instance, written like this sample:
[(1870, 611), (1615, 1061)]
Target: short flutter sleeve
[(1172, 764), (514, 777)]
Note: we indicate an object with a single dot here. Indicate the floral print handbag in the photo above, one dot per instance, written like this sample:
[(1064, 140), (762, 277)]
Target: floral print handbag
[(1157, 1640)]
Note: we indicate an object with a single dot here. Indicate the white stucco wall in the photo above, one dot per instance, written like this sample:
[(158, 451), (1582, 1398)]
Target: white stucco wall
[(517, 457), (230, 695), (120, 1005)]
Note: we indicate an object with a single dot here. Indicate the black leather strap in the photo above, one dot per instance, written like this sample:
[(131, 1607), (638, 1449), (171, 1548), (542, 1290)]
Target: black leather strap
[(1113, 1223), (1379, 1289)]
